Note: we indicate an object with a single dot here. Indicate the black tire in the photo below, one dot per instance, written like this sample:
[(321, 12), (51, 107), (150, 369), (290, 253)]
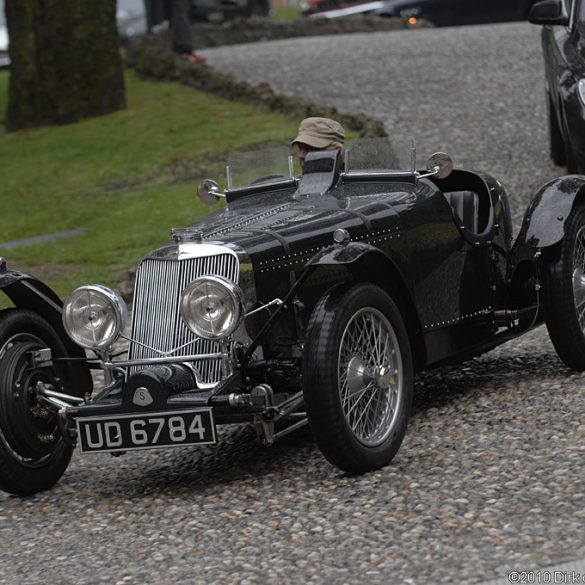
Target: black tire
[(357, 344), (556, 140), (564, 291), (33, 455)]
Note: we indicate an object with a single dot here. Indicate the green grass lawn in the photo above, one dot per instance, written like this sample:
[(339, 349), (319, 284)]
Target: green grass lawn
[(285, 13), (124, 179)]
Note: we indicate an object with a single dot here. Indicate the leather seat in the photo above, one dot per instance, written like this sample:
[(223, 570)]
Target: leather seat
[(465, 204)]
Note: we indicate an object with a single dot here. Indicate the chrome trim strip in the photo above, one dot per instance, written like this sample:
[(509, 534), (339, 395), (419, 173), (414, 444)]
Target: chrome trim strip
[(65, 398), (378, 174), (165, 360)]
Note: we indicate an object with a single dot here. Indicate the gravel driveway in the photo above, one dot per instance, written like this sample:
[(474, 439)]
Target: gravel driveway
[(475, 92), (490, 476)]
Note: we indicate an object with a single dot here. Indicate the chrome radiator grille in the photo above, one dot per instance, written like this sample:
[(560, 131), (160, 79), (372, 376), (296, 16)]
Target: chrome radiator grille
[(156, 320)]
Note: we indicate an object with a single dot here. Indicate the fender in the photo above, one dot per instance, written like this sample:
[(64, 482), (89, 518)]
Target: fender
[(342, 254), (544, 221), (26, 292), (366, 262)]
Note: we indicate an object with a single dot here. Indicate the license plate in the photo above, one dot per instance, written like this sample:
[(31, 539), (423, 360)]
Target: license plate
[(129, 432)]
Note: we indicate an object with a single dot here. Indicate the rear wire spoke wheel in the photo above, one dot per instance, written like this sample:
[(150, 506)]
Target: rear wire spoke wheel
[(33, 454), (564, 291), (357, 377)]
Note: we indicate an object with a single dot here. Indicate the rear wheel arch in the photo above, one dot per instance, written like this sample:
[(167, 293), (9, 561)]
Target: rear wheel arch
[(564, 291), (544, 221)]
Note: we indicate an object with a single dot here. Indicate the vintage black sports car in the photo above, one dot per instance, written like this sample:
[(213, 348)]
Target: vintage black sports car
[(311, 298), (563, 47)]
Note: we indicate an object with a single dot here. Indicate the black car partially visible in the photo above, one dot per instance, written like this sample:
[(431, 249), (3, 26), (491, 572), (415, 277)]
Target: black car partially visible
[(563, 46), (458, 12), (220, 10)]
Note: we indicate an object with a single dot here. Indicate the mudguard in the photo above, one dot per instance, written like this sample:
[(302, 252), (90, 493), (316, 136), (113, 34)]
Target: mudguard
[(365, 261), (26, 292), (370, 264), (343, 254), (544, 220)]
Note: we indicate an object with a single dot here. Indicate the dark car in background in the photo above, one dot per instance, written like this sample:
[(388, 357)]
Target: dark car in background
[(458, 12), (437, 12), (563, 46), (158, 12), (220, 10)]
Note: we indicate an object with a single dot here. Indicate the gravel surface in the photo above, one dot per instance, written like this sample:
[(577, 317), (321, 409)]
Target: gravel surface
[(490, 476)]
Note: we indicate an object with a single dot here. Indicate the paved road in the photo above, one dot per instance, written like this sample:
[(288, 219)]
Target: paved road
[(490, 476)]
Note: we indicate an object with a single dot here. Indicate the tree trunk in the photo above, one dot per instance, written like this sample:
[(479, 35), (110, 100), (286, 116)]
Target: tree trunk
[(65, 61)]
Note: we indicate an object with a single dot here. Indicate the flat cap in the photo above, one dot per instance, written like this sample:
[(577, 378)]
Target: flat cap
[(320, 132)]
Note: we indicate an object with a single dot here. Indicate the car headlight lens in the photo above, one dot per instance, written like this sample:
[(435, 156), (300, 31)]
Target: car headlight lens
[(212, 307), (94, 316)]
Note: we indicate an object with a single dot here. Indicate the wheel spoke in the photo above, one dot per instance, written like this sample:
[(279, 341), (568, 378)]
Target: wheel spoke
[(579, 277), (368, 394), (357, 398), (365, 410)]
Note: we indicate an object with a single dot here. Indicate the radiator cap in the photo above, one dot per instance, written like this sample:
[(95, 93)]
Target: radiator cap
[(186, 236)]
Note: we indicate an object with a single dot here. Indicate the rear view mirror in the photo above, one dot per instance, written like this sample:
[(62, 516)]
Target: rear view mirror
[(208, 192), (550, 12), (440, 165)]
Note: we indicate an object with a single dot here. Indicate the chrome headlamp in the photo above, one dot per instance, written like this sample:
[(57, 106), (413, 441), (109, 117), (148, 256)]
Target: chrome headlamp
[(212, 307), (94, 316)]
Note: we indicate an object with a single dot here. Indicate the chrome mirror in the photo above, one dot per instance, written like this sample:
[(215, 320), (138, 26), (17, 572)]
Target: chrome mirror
[(208, 192), (439, 165)]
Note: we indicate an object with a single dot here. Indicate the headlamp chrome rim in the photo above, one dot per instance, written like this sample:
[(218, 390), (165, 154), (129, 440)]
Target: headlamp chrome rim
[(232, 295), (115, 322)]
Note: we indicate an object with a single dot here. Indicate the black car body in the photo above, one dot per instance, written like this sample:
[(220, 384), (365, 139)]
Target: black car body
[(563, 47), (458, 12), (305, 299), (437, 12), (220, 10)]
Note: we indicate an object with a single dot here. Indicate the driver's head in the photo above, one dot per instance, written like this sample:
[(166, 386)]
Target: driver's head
[(318, 134)]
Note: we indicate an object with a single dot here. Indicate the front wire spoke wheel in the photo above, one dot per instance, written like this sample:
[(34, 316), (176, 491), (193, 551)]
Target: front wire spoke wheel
[(357, 377), (371, 406)]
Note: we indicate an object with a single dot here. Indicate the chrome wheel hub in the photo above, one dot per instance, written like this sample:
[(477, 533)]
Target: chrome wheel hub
[(370, 376)]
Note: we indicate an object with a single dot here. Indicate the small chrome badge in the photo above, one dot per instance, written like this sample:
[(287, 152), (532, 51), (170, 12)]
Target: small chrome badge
[(142, 397)]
